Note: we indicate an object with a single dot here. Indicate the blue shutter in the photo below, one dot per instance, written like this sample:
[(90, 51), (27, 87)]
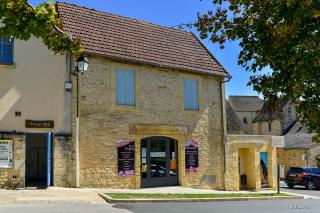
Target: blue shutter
[(191, 98), (6, 51), (125, 87)]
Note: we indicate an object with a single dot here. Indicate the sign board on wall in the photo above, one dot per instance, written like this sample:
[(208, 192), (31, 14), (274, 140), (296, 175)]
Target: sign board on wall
[(125, 157), (192, 156), (39, 124), (6, 153)]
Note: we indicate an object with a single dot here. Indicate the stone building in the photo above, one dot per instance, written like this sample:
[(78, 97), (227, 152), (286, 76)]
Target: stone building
[(246, 109), (151, 106), (34, 110), (299, 149), (250, 159), (154, 89)]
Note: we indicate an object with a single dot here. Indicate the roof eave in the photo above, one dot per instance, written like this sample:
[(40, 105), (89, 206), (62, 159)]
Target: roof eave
[(140, 62)]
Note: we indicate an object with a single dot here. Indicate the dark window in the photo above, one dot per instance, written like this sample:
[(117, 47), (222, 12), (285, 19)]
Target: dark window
[(269, 126), (6, 50), (289, 112), (245, 120)]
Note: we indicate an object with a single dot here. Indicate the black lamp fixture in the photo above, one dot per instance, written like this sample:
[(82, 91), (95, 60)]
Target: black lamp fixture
[(82, 64)]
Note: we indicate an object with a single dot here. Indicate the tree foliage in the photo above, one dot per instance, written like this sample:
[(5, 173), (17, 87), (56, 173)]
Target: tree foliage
[(21, 21), (281, 34)]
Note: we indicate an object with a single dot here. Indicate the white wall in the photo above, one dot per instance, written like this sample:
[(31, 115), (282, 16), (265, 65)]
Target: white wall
[(35, 86)]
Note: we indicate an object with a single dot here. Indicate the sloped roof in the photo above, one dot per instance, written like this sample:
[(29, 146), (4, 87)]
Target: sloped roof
[(267, 113), (136, 41), (299, 141), (298, 128), (246, 103), (233, 124)]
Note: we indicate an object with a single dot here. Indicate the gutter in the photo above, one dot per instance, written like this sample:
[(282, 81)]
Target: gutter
[(223, 125)]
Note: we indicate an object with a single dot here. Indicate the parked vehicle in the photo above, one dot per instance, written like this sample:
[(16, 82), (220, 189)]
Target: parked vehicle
[(303, 176)]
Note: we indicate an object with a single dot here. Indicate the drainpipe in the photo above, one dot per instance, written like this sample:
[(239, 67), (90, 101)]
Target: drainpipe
[(223, 124)]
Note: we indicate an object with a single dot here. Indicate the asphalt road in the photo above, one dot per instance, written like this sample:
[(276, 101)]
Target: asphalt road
[(281, 206), (277, 206), (300, 190)]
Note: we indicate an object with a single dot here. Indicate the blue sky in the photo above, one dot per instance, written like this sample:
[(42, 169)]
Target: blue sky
[(172, 13)]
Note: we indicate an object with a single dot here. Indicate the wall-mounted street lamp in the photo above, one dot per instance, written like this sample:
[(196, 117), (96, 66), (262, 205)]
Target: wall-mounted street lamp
[(82, 65)]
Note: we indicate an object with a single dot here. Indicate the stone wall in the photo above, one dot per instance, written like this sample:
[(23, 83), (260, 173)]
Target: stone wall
[(63, 161), (250, 116), (261, 128), (159, 101), (14, 177), (247, 149), (311, 155), (291, 157)]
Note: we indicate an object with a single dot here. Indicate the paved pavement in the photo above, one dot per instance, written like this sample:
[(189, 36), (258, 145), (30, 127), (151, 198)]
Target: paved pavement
[(66, 200), (300, 190), (57, 195), (52, 195), (74, 208)]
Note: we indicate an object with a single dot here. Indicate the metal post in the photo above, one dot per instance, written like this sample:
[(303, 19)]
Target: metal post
[(278, 178), (77, 138)]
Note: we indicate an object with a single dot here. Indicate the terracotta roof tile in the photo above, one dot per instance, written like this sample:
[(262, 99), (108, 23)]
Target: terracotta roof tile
[(129, 39)]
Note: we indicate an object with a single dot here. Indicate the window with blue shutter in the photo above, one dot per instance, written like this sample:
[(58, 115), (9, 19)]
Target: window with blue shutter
[(125, 87), (6, 50), (191, 97)]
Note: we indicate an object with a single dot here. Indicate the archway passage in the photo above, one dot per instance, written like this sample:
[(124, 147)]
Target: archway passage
[(159, 162)]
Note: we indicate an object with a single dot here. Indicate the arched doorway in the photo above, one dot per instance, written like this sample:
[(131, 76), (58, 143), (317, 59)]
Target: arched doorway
[(159, 162)]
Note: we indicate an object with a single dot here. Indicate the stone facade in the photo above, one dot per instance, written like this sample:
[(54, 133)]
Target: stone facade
[(298, 157), (63, 161), (159, 101), (14, 177), (262, 128), (289, 115), (292, 157), (246, 119), (244, 150), (312, 153)]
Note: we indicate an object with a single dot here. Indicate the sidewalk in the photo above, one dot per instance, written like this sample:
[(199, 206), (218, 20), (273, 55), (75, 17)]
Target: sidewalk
[(52, 195), (57, 195), (180, 190)]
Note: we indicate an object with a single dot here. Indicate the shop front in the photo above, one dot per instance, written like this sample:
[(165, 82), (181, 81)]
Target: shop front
[(159, 162)]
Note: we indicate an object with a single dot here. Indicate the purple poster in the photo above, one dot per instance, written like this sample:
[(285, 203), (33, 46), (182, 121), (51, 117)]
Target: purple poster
[(125, 157), (191, 156)]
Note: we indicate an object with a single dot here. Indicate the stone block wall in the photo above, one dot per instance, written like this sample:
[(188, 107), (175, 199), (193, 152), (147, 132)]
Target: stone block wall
[(159, 101), (311, 155), (261, 128), (63, 161), (247, 149), (14, 177), (291, 157)]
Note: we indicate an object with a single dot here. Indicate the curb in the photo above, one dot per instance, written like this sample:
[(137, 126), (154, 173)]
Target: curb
[(178, 200)]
